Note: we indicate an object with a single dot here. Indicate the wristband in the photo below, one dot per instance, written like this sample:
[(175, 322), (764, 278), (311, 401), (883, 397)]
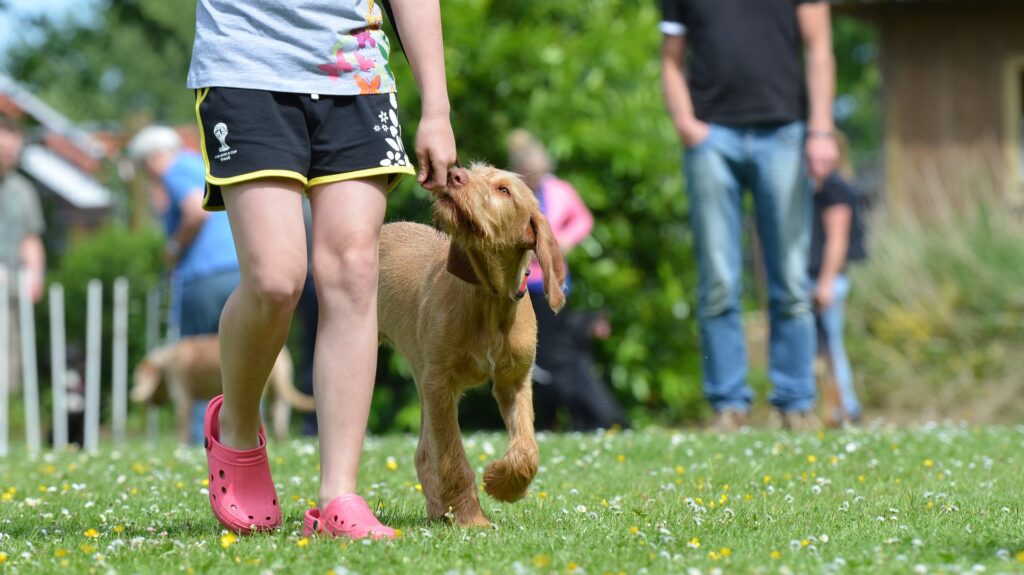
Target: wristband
[(821, 134)]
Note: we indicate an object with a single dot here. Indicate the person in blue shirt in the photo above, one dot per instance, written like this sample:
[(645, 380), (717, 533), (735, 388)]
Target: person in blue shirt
[(199, 248)]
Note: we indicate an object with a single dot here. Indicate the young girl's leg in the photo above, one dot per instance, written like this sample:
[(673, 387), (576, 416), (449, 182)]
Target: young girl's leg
[(347, 217), (266, 222)]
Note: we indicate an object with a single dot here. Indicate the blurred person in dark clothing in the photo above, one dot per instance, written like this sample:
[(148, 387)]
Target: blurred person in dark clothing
[(564, 370), (752, 115), (837, 239), (21, 244)]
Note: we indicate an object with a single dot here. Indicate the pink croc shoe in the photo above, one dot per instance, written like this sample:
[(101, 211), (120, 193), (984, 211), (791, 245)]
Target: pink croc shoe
[(345, 516), (242, 492)]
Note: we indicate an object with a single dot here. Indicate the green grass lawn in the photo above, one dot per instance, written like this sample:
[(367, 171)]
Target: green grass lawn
[(942, 499)]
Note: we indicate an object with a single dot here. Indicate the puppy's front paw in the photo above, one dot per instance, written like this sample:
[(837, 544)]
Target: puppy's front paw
[(507, 482)]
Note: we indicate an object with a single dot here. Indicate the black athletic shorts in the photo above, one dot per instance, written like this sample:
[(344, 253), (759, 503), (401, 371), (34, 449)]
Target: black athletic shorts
[(314, 139)]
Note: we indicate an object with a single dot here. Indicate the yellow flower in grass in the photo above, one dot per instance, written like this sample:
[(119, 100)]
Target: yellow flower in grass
[(419, 487), (929, 463), (572, 567), (812, 459), (620, 458), (392, 464), (227, 540), (714, 556), (805, 542), (88, 549), (1020, 556), (776, 554), (3, 558), (725, 552), (767, 479), (541, 561), (60, 553), (694, 543), (680, 470), (119, 529), (398, 533), (634, 530), (91, 533), (302, 542)]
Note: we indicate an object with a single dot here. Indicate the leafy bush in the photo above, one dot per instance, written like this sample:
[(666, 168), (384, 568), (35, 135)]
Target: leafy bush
[(935, 318)]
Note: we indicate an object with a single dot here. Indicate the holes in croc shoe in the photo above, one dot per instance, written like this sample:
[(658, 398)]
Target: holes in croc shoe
[(268, 518), (223, 490), (206, 442), (335, 517), (211, 477), (250, 518), (222, 474), (234, 507), (214, 496), (274, 502)]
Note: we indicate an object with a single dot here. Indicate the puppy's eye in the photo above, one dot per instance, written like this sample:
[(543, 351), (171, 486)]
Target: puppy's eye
[(504, 190)]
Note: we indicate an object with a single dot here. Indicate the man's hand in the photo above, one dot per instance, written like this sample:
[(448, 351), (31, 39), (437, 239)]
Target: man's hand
[(822, 156), (824, 294), (435, 151), (694, 133)]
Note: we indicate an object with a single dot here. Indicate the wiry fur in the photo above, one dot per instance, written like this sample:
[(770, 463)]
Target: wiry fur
[(456, 334), (189, 369)]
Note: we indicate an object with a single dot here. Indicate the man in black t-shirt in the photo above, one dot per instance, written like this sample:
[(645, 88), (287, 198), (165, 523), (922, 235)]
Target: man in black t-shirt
[(751, 116)]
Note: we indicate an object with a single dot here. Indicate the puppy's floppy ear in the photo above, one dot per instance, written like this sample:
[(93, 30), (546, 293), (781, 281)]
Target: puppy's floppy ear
[(542, 242)]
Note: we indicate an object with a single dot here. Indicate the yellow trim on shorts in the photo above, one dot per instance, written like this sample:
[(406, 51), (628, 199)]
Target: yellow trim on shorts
[(259, 174), (399, 170)]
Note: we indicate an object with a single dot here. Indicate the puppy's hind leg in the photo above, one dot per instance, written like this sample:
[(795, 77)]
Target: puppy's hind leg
[(456, 483), (508, 478)]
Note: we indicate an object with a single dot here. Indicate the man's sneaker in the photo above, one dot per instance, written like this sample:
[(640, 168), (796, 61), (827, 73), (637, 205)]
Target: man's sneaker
[(729, 421), (800, 421)]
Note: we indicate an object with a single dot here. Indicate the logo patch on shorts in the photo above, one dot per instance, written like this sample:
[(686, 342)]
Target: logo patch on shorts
[(220, 131)]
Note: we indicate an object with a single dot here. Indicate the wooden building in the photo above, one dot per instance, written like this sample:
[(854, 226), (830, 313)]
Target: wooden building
[(953, 76)]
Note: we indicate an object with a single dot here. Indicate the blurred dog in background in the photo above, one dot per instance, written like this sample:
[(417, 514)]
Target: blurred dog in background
[(189, 369)]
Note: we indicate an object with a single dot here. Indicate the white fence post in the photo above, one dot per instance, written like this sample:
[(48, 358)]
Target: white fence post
[(5, 368), (93, 348), (29, 368), (152, 339), (59, 367), (120, 360)]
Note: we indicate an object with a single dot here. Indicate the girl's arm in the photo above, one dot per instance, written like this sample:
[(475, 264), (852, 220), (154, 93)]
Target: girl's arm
[(419, 23), (836, 222)]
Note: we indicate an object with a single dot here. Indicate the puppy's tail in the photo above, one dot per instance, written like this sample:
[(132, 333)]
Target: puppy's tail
[(282, 378), (508, 478)]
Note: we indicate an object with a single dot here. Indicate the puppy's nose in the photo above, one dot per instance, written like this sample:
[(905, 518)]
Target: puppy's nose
[(457, 177)]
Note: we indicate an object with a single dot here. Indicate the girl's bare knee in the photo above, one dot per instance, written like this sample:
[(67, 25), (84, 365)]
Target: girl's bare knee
[(278, 290), (348, 272)]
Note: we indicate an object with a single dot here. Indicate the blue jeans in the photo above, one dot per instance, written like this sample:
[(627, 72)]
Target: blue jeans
[(770, 162), (830, 322)]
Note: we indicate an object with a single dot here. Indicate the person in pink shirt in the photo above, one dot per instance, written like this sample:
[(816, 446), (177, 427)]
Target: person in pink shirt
[(564, 364)]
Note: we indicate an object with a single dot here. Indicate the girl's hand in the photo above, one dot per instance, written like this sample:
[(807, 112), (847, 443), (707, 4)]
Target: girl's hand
[(435, 151)]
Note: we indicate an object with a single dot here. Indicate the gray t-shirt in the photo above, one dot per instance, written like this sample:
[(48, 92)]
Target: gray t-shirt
[(20, 217), (331, 47)]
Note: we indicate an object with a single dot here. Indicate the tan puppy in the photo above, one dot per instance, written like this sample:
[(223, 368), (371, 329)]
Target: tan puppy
[(190, 368), (456, 308)]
